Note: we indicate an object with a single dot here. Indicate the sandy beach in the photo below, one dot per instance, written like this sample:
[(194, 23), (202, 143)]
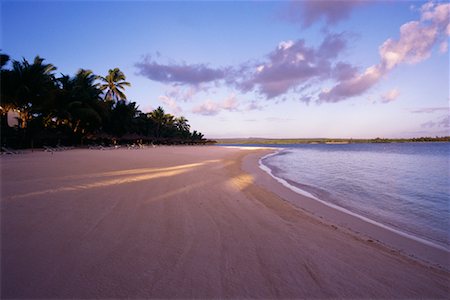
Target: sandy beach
[(188, 222)]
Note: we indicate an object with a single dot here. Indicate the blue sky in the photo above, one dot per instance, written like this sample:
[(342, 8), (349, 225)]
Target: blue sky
[(256, 69)]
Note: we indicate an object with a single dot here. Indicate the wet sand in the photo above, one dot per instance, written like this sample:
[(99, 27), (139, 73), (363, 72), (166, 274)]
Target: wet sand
[(181, 222)]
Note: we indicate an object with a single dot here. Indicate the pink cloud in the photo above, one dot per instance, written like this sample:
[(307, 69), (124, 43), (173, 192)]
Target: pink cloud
[(390, 96), (230, 103), (415, 44), (171, 104), (147, 108), (210, 108), (293, 64), (207, 108), (353, 86), (183, 93)]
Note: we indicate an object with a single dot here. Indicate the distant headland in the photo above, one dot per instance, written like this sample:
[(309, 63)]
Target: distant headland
[(269, 141)]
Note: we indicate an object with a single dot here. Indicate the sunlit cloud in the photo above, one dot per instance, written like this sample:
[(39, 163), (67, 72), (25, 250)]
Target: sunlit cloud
[(171, 104), (307, 71), (415, 44), (207, 108), (293, 64), (354, 86), (390, 96), (184, 93), (211, 108), (230, 103)]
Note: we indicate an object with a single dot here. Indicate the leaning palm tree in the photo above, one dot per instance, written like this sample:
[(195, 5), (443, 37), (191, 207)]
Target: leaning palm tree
[(113, 85)]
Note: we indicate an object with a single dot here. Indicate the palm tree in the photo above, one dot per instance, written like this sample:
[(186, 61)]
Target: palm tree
[(161, 120), (122, 116), (29, 87), (197, 136), (83, 103), (181, 123), (4, 58), (182, 127), (113, 85)]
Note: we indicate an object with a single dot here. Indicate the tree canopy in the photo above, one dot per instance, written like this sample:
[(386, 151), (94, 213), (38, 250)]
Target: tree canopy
[(78, 109)]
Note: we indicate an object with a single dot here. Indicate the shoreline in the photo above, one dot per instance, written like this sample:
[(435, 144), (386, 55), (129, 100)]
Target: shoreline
[(182, 222), (405, 244)]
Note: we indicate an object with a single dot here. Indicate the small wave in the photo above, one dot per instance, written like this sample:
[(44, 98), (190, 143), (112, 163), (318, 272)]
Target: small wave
[(280, 180), (297, 190)]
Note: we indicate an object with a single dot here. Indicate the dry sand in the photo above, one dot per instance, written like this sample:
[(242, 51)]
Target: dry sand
[(181, 222)]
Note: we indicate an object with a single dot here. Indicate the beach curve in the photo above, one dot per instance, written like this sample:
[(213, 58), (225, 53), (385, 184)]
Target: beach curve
[(206, 227)]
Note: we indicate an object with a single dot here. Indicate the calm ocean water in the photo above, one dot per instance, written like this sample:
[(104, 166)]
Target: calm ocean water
[(405, 186)]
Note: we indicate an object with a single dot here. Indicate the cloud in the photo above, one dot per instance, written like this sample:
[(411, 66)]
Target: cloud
[(442, 122), (184, 93), (443, 47), (428, 110), (353, 86), (230, 103), (308, 12), (344, 71), (390, 96), (171, 104), (178, 73), (290, 65), (253, 105), (415, 44), (210, 108), (293, 64), (147, 108)]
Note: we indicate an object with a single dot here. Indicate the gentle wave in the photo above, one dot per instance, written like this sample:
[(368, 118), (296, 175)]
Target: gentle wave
[(303, 192)]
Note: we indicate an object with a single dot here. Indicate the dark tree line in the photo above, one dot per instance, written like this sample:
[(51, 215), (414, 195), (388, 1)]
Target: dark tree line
[(39, 107)]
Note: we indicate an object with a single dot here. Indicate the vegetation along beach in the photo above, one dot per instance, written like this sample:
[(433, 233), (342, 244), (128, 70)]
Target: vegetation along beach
[(198, 149)]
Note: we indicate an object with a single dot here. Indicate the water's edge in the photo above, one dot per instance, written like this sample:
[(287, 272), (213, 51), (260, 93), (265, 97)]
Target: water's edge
[(302, 192)]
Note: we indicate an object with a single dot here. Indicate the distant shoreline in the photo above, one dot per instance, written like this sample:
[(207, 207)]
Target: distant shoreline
[(269, 141)]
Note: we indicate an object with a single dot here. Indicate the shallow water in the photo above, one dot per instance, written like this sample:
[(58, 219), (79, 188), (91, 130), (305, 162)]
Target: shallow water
[(405, 186)]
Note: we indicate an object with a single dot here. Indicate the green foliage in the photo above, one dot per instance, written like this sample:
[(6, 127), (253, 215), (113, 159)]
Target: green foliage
[(78, 109), (113, 85)]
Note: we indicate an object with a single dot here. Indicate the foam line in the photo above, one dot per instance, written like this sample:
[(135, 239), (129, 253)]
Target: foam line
[(344, 210)]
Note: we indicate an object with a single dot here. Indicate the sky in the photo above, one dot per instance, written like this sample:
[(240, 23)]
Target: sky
[(274, 69)]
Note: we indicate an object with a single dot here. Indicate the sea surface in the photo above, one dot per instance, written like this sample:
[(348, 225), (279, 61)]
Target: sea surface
[(405, 186)]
